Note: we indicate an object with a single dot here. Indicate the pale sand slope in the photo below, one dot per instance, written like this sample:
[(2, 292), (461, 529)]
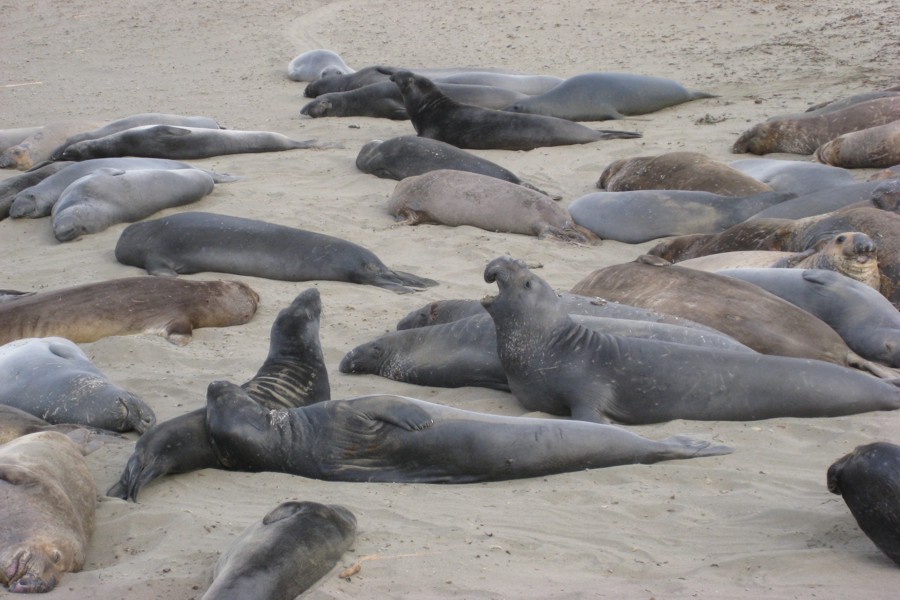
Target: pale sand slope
[(758, 523)]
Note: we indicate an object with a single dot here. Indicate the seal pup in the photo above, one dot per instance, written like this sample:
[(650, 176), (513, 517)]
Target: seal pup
[(874, 147), (455, 198), (555, 365), (803, 133), (52, 379), (436, 116), (193, 242), (601, 96), (315, 64), (293, 374), (396, 439), (280, 557), (182, 143), (109, 196), (11, 186), (867, 479), (171, 308), (678, 171), (47, 510)]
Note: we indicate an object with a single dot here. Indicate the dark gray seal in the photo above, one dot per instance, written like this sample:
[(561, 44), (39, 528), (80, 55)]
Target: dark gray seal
[(182, 143), (867, 478), (11, 186), (280, 557), (396, 439), (601, 96), (315, 64), (793, 176), (555, 365), (820, 202), (52, 379), (293, 374), (435, 116), (193, 242)]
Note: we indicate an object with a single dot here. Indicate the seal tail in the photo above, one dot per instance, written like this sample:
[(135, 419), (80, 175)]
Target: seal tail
[(402, 282), (612, 134)]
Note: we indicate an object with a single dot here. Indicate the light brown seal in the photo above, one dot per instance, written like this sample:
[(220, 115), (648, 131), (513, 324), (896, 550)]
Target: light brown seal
[(871, 148), (39, 146)]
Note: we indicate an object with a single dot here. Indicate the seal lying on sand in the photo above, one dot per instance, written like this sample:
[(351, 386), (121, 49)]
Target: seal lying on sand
[(868, 480), (438, 117), (315, 64), (293, 374), (37, 147), (47, 507), (193, 242), (11, 186), (793, 176), (556, 366), (396, 439), (280, 557), (874, 147)]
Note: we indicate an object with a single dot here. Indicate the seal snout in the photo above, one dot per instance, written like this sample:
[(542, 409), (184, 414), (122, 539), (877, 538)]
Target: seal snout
[(501, 268)]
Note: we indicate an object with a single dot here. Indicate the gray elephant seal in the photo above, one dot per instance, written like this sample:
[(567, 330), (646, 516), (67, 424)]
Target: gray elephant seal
[(871, 148), (404, 440), (11, 186), (803, 133), (193, 242), (601, 96), (52, 379), (435, 116), (678, 171), (793, 176), (47, 507), (556, 366), (280, 557), (820, 202), (182, 143), (172, 308), (109, 196), (456, 198), (293, 374), (316, 64), (642, 215), (868, 481), (863, 317)]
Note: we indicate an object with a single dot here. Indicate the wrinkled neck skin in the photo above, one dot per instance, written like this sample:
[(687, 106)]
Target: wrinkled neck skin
[(420, 108), (522, 334)]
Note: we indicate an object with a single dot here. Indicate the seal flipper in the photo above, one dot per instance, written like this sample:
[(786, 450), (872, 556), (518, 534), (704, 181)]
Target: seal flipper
[(612, 134), (178, 331), (395, 410), (400, 281)]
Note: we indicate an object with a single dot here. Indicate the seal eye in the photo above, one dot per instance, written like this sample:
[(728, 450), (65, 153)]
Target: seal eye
[(55, 556), (528, 285), (841, 239), (377, 351)]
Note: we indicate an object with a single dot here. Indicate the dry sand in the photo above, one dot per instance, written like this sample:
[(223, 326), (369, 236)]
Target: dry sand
[(756, 524)]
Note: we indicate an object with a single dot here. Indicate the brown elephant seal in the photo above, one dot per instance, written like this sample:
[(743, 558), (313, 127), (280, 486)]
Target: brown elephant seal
[(293, 374), (889, 173), (37, 148), (280, 557), (678, 171), (840, 103), (867, 478), (602, 95), (862, 317), (11, 186), (15, 423), (47, 507), (404, 440), (52, 379), (436, 116), (182, 143), (455, 198), (193, 242), (110, 196), (557, 366), (794, 176), (743, 311), (313, 65), (15, 136), (871, 148), (803, 133), (172, 308)]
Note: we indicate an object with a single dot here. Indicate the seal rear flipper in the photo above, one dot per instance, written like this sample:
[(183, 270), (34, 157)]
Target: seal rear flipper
[(683, 446), (612, 134), (401, 282), (878, 370)]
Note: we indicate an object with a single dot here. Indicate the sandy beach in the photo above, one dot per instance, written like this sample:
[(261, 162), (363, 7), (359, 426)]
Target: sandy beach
[(759, 523)]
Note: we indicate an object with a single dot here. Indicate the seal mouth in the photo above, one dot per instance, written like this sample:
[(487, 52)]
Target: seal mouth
[(488, 300)]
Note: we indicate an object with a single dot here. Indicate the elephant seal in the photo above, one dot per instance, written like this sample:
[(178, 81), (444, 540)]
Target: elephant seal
[(15, 423), (802, 134), (678, 171), (743, 311), (601, 96), (642, 215), (409, 155), (109, 196), (871, 148), (557, 366), (47, 507), (52, 379), (889, 173), (182, 143), (38, 200), (192, 242), (839, 103), (820, 202), (455, 198), (280, 557), (862, 317), (867, 480), (14, 137), (793, 176), (37, 148), (11, 186), (436, 116), (315, 64), (404, 440), (293, 374), (172, 308)]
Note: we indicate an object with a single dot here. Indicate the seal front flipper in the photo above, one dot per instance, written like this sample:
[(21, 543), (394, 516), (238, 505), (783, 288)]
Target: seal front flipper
[(396, 411), (178, 331), (612, 134), (590, 412)]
